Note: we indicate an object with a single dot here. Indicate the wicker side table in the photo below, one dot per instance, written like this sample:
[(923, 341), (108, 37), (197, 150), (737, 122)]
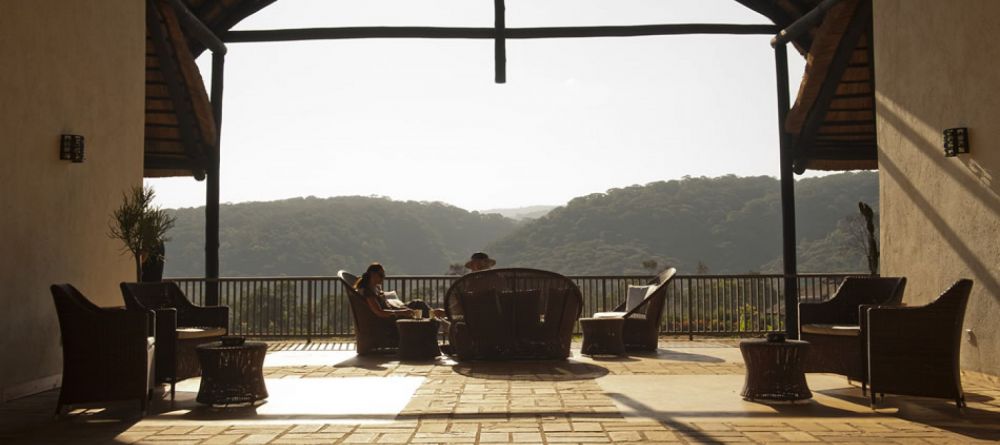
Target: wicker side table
[(231, 374), (602, 336), (418, 339), (775, 370)]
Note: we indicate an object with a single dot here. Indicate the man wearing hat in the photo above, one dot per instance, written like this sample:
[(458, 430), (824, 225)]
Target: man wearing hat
[(480, 261)]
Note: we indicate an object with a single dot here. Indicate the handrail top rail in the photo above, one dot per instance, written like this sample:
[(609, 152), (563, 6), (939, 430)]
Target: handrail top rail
[(572, 277)]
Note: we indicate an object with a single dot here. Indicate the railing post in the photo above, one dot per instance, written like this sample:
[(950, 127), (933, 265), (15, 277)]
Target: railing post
[(604, 294), (690, 322), (310, 311)]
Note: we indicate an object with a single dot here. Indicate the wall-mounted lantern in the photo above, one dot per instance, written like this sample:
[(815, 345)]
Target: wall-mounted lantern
[(956, 141), (71, 148)]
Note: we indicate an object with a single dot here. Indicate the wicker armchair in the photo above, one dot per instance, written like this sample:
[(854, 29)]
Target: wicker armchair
[(180, 327), (832, 327), (512, 314), (915, 350), (642, 323), (374, 332), (107, 353)]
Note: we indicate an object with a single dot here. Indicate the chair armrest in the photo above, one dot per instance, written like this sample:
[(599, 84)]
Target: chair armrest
[(202, 316)]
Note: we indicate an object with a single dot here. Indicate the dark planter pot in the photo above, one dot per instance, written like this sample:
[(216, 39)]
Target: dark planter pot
[(152, 269)]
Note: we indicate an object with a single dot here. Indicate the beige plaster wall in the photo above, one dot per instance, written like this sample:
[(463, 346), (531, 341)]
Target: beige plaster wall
[(67, 67), (938, 67)]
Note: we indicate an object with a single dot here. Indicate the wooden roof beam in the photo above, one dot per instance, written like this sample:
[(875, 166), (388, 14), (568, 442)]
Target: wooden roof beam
[(804, 23), (197, 29), (828, 91), (171, 74), (427, 32)]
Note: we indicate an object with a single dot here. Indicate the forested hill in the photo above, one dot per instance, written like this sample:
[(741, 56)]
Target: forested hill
[(727, 224), (312, 236)]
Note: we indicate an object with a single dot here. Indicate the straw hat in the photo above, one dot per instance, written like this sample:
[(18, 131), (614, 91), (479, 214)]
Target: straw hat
[(480, 256)]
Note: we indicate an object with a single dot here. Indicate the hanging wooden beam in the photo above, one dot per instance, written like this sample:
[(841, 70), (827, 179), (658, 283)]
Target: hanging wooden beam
[(418, 32), (499, 41)]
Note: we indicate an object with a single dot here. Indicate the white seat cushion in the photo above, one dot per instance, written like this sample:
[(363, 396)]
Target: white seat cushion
[(832, 329), (187, 333), (609, 315)]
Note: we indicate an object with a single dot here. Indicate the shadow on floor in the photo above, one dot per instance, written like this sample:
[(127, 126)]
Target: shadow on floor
[(555, 370)]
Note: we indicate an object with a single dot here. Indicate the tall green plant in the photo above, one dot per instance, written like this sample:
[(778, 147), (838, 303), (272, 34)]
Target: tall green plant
[(140, 226)]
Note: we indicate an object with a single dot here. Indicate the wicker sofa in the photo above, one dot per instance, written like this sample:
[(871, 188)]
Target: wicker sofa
[(502, 314), (107, 353)]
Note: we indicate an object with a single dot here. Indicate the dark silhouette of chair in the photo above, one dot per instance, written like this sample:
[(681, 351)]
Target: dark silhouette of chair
[(833, 330), (501, 314), (180, 327), (642, 323), (107, 353), (915, 351), (374, 332)]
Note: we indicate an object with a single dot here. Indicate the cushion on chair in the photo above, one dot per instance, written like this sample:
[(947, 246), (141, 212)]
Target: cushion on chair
[(635, 296), (188, 333), (609, 315), (832, 329)]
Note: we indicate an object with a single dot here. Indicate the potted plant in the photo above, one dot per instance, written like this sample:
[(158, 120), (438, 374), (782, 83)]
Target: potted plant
[(141, 227)]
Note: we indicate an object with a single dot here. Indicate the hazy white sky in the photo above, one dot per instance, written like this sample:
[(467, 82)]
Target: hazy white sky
[(423, 120)]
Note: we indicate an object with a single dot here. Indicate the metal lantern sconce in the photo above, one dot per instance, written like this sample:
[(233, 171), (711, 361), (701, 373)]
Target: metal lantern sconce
[(956, 141), (71, 148)]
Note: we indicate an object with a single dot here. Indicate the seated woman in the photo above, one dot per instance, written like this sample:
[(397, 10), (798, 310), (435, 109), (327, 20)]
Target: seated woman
[(370, 287)]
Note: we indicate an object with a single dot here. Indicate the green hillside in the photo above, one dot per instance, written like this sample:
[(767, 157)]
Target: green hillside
[(727, 224), (311, 236)]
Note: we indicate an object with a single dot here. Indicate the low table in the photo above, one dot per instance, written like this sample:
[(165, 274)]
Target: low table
[(418, 338), (231, 374), (775, 370), (602, 336)]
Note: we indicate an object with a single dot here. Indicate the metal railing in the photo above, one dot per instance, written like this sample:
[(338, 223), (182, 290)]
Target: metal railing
[(695, 304)]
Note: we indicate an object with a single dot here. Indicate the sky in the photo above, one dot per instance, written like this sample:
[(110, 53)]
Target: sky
[(422, 119)]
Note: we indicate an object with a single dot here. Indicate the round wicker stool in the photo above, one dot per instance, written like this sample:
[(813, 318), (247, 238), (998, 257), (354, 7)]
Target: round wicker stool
[(231, 374), (774, 370), (418, 339), (602, 336)]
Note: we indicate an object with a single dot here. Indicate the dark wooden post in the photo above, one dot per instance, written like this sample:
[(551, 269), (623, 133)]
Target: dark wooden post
[(787, 198), (212, 187), (499, 41)]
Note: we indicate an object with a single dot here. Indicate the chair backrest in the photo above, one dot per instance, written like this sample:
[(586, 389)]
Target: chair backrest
[(515, 313), (148, 296), (69, 300), (951, 308), (855, 291), (652, 306), (363, 317)]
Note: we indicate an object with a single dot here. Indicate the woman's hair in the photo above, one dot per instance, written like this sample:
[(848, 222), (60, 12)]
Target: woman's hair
[(366, 277)]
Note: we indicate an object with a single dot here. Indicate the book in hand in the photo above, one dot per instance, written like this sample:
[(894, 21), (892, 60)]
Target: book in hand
[(392, 300)]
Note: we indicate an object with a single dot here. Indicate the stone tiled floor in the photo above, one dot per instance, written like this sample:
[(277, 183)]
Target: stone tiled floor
[(687, 393)]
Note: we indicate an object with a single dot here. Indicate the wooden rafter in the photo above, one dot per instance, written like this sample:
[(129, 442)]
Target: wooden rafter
[(172, 76)]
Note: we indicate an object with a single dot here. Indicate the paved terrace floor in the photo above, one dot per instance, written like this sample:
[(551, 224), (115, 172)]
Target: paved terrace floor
[(688, 392)]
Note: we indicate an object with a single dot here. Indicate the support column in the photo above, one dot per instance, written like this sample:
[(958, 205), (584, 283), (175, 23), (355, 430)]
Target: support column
[(500, 41), (212, 187), (787, 198)]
